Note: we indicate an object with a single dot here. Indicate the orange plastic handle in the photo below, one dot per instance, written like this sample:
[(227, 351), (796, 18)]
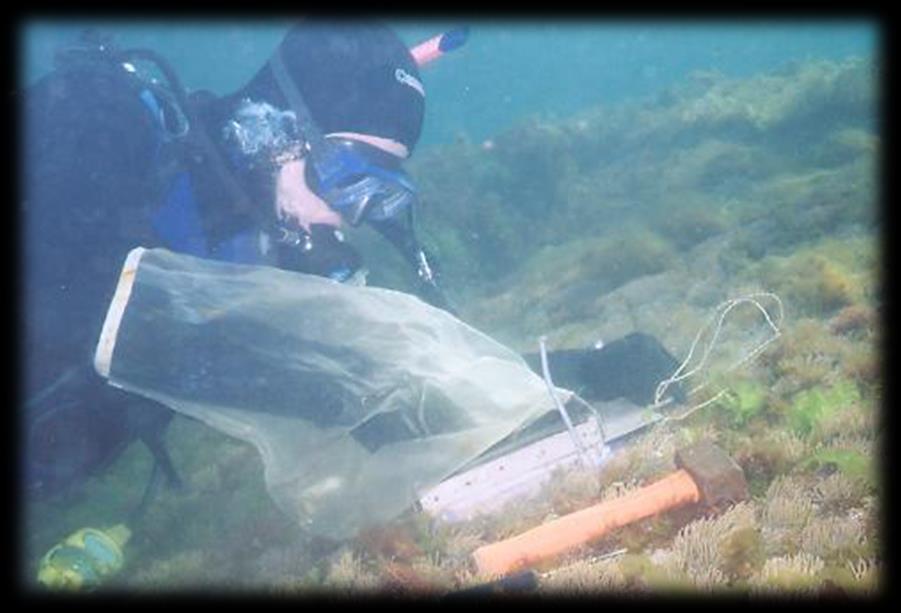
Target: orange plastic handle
[(427, 51), (570, 531)]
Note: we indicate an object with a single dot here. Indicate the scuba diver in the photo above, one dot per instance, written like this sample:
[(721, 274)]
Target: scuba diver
[(117, 154)]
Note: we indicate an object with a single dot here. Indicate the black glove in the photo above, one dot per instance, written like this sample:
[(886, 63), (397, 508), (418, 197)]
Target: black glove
[(322, 251), (629, 367)]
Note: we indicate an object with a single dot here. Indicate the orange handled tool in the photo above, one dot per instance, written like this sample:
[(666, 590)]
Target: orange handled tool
[(705, 474)]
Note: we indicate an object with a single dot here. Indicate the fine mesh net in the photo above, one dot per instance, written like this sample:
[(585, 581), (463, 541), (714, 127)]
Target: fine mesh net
[(357, 398)]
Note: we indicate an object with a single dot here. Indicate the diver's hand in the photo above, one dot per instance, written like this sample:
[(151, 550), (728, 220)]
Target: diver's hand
[(322, 251), (295, 201)]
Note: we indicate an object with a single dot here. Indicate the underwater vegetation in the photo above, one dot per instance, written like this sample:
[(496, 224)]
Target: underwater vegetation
[(713, 153), (811, 407), (824, 277), (744, 400), (727, 185), (781, 167)]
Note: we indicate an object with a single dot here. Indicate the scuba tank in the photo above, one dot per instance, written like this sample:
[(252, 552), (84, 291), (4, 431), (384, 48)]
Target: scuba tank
[(186, 143), (96, 52)]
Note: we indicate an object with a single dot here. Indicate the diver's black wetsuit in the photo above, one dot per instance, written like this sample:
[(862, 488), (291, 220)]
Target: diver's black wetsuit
[(108, 166), (89, 147), (107, 169)]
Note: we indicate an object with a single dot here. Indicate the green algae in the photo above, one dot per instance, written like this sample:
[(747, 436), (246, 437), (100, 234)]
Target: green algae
[(743, 401), (850, 462), (810, 407), (531, 234)]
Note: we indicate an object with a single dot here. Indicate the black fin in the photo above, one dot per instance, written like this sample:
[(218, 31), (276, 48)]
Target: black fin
[(162, 459), (162, 466), (153, 486), (630, 367)]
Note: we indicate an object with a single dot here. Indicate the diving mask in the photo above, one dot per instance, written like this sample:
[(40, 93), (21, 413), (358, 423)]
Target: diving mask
[(359, 181)]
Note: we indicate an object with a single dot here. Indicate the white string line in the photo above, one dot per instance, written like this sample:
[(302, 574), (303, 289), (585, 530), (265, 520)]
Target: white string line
[(719, 316), (583, 454)]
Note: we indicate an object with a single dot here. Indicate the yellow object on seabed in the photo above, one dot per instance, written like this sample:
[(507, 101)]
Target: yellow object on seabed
[(84, 559)]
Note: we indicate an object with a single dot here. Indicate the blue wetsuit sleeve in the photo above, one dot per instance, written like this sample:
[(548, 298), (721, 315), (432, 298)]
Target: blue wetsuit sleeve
[(177, 223)]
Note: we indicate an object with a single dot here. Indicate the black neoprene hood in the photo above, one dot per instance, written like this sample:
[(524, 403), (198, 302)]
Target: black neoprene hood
[(354, 77)]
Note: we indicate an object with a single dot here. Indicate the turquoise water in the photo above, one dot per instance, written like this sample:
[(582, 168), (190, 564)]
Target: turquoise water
[(576, 229), (507, 70)]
